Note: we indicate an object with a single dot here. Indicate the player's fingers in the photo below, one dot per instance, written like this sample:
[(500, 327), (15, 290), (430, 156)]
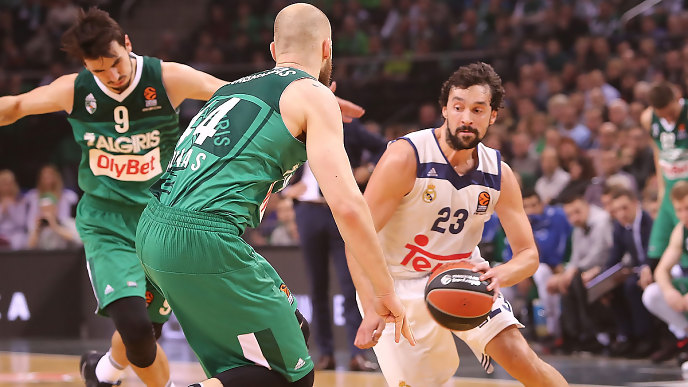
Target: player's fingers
[(398, 325), (350, 109), (408, 332), (482, 266), (333, 86), (378, 331), (346, 119)]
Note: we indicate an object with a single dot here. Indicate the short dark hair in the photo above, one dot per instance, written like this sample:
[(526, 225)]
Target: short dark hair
[(570, 197), (474, 74), (660, 95), (528, 192), (91, 35), (618, 191)]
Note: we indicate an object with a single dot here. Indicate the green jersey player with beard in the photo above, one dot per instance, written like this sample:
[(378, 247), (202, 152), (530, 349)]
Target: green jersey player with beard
[(242, 146)]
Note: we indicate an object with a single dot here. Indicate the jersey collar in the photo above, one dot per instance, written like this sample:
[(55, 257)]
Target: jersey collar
[(132, 85)]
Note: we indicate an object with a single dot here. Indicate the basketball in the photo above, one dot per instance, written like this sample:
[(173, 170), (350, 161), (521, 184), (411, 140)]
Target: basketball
[(456, 297)]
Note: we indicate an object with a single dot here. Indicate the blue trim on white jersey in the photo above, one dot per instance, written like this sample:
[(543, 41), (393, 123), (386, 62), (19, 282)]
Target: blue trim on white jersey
[(415, 150), (446, 172)]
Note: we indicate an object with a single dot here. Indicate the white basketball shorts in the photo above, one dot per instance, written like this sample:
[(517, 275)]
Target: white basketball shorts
[(434, 359)]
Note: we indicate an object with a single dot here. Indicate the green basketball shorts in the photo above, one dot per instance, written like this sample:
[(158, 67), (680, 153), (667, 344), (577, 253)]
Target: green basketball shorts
[(108, 232), (232, 306)]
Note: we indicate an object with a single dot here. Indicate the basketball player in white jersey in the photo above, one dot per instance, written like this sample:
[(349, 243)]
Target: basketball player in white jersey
[(430, 195)]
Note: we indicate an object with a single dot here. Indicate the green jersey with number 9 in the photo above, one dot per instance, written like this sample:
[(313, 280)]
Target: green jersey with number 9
[(125, 138), (235, 152)]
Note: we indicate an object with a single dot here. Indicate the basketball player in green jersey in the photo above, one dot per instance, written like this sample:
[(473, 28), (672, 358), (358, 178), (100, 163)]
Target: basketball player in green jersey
[(666, 120), (667, 297), (243, 145), (122, 111)]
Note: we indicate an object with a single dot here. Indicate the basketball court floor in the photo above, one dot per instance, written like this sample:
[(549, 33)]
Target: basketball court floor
[(54, 363)]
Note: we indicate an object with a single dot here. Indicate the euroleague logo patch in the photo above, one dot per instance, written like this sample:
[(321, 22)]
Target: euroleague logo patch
[(284, 289), (151, 95), (483, 202), (149, 297)]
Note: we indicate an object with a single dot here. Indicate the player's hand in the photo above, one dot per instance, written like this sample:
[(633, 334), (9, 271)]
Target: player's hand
[(389, 307), (645, 277), (349, 109), (489, 274), (369, 331), (675, 300)]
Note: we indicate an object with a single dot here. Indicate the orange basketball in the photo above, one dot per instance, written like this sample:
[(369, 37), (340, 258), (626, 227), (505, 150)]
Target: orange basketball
[(456, 297)]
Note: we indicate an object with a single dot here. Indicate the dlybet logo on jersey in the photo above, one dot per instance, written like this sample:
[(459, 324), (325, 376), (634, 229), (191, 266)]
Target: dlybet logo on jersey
[(90, 104)]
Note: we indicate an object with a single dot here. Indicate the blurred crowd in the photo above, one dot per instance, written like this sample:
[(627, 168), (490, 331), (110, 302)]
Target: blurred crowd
[(576, 74)]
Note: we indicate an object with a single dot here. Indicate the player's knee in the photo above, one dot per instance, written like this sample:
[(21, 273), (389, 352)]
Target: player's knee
[(131, 321), (651, 296), (139, 341)]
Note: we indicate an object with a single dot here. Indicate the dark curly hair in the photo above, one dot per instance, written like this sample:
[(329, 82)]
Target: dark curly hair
[(91, 35), (474, 74)]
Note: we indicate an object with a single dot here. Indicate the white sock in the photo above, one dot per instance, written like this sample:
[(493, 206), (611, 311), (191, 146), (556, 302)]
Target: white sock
[(108, 370)]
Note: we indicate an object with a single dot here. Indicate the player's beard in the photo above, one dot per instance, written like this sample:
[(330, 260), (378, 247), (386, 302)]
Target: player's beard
[(120, 89), (326, 72), (455, 142)]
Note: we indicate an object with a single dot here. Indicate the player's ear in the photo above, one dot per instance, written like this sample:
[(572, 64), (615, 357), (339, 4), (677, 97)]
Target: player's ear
[(444, 112), (127, 43), (326, 48), (272, 51), (493, 117)]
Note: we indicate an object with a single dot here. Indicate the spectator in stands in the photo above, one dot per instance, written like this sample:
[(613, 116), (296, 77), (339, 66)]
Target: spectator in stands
[(593, 118), (619, 114), (590, 244), (551, 230), (581, 172), (631, 236), (569, 126), (12, 213), (610, 174), (641, 165), (50, 182), (524, 161), (607, 139), (553, 179), (49, 232), (285, 233)]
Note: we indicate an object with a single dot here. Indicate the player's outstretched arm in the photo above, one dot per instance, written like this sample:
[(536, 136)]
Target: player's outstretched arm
[(515, 222), (185, 82), (392, 179), (57, 96), (309, 105)]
